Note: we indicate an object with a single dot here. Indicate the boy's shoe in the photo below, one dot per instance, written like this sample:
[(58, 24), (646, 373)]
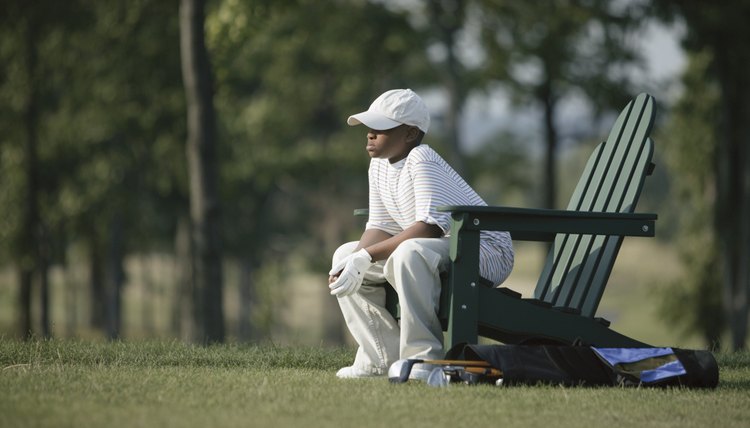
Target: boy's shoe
[(352, 372)]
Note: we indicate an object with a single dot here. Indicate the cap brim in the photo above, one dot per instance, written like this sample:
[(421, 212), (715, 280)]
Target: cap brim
[(372, 120)]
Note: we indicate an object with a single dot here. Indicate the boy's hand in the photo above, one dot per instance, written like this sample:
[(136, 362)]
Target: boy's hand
[(338, 267), (351, 276)]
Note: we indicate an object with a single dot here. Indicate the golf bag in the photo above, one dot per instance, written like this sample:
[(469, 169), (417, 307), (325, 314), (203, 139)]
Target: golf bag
[(589, 366)]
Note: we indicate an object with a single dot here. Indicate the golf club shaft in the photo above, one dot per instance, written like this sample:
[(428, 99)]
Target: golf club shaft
[(484, 371), (463, 363)]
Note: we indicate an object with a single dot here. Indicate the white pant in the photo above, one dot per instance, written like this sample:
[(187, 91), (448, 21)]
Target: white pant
[(414, 272)]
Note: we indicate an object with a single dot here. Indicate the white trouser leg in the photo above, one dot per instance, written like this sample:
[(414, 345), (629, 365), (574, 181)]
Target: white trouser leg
[(369, 322), (414, 271)]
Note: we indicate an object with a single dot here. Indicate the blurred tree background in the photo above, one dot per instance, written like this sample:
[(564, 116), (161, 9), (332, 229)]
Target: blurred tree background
[(106, 134)]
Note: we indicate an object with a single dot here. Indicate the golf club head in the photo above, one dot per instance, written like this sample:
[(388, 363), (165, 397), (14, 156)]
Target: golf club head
[(399, 371), (394, 371), (438, 378)]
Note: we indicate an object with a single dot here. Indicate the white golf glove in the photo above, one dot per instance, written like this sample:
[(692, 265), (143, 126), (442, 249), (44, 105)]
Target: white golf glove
[(354, 268), (338, 267)]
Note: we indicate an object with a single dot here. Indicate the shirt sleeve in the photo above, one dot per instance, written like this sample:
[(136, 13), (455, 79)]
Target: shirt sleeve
[(432, 188)]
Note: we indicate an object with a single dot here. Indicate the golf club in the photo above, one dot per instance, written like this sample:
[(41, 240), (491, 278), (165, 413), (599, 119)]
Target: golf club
[(445, 375), (400, 370)]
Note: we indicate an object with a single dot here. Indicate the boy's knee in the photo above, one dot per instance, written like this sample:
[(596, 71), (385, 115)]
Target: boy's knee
[(412, 251), (407, 249)]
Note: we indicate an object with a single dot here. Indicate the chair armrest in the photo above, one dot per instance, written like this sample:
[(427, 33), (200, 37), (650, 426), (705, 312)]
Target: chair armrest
[(543, 224), (361, 212)]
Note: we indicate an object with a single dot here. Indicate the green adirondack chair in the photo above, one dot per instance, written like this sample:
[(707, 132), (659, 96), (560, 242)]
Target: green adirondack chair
[(587, 237)]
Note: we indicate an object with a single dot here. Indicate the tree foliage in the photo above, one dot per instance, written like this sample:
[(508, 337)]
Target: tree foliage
[(720, 31), (694, 301), (103, 108), (103, 136), (288, 76), (546, 52)]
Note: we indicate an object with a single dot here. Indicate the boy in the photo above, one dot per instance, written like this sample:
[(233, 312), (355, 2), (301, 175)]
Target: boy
[(405, 241)]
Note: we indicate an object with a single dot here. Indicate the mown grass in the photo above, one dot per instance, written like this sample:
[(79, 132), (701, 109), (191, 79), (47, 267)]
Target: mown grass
[(125, 384)]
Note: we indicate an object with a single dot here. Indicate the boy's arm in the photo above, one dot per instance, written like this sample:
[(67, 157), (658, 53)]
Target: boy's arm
[(371, 237), (381, 247)]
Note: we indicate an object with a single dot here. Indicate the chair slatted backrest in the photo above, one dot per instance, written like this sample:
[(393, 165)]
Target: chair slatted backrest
[(578, 266)]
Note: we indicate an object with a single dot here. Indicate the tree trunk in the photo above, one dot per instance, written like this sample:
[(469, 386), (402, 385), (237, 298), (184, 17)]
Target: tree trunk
[(97, 299), (547, 97), (115, 279), (248, 300), (25, 279), (148, 294), (183, 321), (456, 101), (733, 180), (44, 295), (202, 168), (28, 262), (447, 19), (71, 301)]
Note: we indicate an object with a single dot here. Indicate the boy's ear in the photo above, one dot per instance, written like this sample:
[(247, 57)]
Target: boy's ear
[(413, 134)]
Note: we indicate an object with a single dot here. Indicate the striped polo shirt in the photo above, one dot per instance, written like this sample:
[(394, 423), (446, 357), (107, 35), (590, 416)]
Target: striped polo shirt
[(411, 189)]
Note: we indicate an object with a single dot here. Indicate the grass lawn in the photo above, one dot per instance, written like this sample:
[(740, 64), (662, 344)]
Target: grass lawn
[(125, 384)]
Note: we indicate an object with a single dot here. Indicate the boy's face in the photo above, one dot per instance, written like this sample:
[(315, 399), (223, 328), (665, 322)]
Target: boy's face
[(392, 144)]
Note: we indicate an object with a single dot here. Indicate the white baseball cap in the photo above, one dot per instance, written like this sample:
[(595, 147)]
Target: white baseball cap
[(394, 108)]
